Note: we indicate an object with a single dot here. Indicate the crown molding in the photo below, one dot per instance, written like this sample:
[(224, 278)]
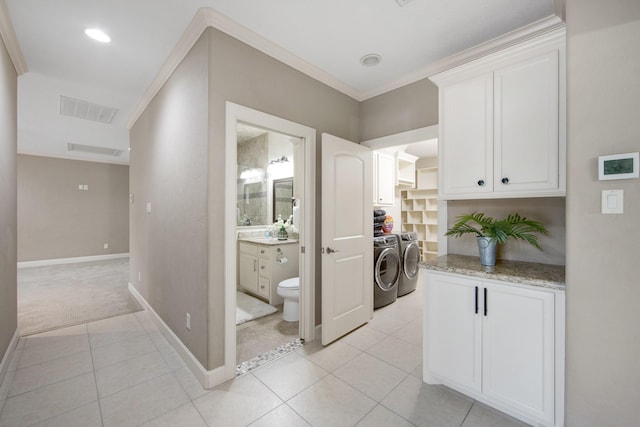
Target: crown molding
[(223, 23), (207, 17), (8, 35), (533, 30), (189, 38)]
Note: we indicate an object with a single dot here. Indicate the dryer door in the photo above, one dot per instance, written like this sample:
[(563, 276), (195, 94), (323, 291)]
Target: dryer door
[(387, 269), (411, 260)]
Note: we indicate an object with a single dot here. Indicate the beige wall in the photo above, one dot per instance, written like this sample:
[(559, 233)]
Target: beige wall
[(243, 75), (603, 251), (8, 227), (550, 211), (57, 220), (410, 107), (177, 163), (168, 169)]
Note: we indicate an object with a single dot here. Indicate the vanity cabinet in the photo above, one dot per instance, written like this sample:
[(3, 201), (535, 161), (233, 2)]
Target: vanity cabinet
[(261, 267), (502, 123), (500, 343)]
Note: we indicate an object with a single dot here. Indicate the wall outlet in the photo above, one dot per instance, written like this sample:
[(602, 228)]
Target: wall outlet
[(188, 322), (106, 246)]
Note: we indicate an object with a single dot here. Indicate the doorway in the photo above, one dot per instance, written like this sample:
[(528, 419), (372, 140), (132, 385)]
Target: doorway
[(304, 196), (265, 180)]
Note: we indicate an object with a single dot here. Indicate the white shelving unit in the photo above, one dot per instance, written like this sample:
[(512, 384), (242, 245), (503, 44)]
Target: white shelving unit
[(405, 169), (420, 211)]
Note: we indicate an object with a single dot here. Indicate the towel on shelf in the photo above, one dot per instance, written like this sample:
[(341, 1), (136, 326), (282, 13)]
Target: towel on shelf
[(378, 234), (379, 212), (379, 218)]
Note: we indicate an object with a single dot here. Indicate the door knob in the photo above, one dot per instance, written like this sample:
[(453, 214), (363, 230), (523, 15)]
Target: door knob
[(481, 182), (505, 180), (330, 251)]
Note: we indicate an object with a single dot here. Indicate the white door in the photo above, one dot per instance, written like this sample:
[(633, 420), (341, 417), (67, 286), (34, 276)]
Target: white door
[(347, 237), (385, 179), (453, 335), (518, 349), (466, 130), (526, 125)]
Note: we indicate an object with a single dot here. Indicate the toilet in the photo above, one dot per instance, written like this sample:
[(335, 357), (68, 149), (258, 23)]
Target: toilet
[(289, 289)]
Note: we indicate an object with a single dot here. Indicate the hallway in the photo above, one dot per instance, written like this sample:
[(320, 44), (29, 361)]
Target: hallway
[(122, 372)]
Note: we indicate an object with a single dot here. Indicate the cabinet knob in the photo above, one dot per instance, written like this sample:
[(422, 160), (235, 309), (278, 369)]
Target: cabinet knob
[(481, 182), (505, 180)]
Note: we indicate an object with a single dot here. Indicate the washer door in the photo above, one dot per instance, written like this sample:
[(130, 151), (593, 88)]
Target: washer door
[(411, 260), (387, 269)]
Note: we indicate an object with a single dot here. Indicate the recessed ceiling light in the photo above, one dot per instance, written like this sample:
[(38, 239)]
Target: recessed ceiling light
[(371, 60), (97, 35)]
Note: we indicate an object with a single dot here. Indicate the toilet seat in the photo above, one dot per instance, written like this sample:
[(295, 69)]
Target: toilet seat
[(290, 284)]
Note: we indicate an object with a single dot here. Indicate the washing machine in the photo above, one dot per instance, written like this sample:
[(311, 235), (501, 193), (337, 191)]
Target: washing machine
[(410, 263), (386, 269)]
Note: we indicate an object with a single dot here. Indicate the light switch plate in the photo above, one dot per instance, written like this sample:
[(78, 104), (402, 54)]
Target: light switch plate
[(612, 201), (148, 207)]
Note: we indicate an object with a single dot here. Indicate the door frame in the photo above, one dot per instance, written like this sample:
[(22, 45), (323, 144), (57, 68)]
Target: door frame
[(237, 113), (410, 137)]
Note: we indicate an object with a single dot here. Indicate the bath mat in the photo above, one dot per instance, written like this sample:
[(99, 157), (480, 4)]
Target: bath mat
[(249, 308)]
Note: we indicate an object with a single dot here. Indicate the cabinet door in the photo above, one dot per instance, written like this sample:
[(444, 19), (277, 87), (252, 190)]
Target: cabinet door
[(526, 125), (453, 331), (248, 271), (264, 287), (466, 120), (385, 179), (518, 349)]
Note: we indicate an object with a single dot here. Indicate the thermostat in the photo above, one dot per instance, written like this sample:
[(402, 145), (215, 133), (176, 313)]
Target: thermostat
[(618, 166)]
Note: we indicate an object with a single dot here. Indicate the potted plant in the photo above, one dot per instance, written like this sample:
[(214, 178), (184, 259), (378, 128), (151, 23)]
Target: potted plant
[(492, 232)]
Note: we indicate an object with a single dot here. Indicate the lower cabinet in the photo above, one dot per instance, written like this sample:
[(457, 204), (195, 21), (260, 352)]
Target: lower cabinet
[(261, 267), (500, 343)]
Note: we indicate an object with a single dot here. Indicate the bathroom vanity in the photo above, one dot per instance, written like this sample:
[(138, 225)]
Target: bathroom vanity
[(263, 263)]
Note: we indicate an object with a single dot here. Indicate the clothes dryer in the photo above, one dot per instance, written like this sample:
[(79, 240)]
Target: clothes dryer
[(410, 263), (386, 270)]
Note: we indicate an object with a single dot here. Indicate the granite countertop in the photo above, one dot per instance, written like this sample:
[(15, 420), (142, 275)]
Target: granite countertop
[(528, 273), (267, 240)]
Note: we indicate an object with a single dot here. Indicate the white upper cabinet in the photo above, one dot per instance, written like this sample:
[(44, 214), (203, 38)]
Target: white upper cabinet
[(468, 148), (384, 168), (502, 119), (526, 125)]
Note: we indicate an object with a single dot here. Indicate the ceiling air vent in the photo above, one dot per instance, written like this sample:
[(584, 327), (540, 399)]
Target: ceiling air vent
[(402, 2), (86, 110), (92, 149)]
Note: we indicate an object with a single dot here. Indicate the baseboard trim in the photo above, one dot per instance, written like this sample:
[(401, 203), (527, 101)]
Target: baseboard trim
[(8, 355), (59, 261), (208, 379)]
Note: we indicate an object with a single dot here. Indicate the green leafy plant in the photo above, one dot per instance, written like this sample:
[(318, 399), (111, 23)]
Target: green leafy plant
[(500, 231)]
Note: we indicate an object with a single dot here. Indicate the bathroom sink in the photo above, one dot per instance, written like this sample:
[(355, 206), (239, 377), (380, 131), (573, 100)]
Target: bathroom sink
[(266, 240)]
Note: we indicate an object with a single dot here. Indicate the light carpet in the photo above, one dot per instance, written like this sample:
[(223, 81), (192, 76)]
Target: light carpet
[(57, 296), (250, 308)]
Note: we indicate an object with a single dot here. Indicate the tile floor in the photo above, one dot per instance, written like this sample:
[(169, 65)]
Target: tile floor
[(263, 335), (122, 372)]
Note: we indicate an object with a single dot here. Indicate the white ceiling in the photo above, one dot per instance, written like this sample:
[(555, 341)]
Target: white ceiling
[(331, 35)]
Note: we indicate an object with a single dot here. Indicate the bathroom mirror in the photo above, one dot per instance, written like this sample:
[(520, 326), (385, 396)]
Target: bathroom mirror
[(282, 198), (265, 176)]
